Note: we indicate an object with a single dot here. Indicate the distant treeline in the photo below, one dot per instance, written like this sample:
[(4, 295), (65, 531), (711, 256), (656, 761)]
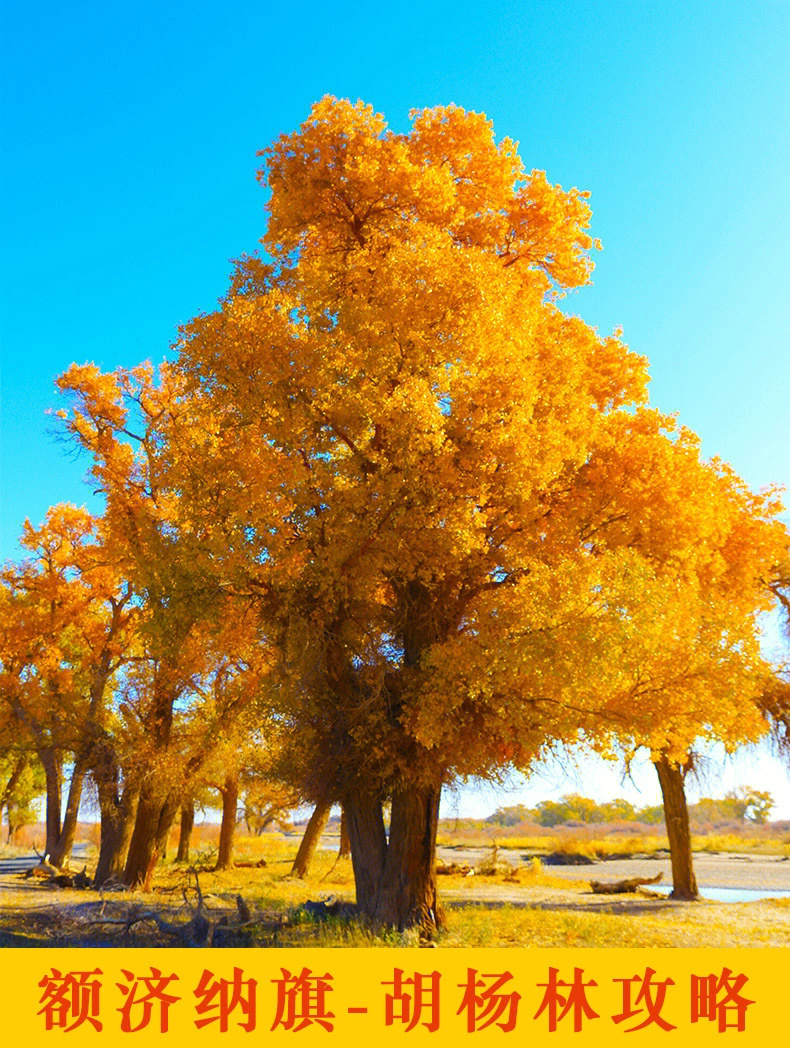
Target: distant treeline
[(744, 804)]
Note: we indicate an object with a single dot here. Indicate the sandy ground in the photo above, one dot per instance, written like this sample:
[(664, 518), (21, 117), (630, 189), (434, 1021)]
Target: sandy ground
[(725, 870), (757, 923), (54, 913)]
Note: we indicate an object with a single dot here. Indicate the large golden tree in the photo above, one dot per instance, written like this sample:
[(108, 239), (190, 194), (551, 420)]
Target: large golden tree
[(394, 411), (443, 498)]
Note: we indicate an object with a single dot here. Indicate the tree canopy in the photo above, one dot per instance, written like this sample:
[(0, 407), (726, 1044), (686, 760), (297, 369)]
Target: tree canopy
[(396, 490), (449, 493)]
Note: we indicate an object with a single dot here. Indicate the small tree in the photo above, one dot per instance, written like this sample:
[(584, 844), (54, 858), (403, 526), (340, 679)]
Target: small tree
[(757, 804), (21, 782)]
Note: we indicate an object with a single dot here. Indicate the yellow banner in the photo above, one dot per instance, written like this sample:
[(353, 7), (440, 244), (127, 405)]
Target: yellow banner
[(396, 996)]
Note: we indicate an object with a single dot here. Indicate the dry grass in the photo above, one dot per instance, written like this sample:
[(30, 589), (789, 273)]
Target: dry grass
[(596, 843), (645, 923), (529, 907)]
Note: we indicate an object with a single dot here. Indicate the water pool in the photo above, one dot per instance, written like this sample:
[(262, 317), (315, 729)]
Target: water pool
[(730, 894)]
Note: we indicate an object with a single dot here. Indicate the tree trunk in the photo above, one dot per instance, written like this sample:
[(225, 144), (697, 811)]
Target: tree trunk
[(142, 855), (157, 803), (407, 894), (6, 799), (312, 833), (227, 832), (118, 812), (185, 831), (167, 817), (344, 850), (368, 846), (61, 853), (155, 816), (51, 765), (676, 816), (13, 781)]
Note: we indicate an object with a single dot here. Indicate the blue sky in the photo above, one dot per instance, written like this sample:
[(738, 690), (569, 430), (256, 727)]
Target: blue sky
[(129, 141)]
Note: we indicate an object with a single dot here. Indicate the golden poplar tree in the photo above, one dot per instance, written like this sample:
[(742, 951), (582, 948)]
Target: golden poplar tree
[(393, 412), (441, 499)]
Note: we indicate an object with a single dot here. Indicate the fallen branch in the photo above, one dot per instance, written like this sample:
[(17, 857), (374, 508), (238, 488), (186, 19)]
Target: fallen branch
[(60, 878), (629, 884), (462, 868), (198, 931)]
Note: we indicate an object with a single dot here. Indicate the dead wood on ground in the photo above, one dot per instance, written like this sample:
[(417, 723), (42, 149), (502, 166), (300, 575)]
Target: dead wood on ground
[(628, 884)]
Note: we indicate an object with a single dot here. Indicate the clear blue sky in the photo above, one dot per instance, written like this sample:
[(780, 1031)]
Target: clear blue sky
[(129, 135)]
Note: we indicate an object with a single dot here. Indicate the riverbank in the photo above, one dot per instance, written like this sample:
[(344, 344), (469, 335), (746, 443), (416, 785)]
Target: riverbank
[(521, 905), (725, 870)]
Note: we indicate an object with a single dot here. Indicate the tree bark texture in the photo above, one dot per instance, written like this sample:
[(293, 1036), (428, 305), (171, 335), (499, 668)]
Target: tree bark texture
[(155, 816), (118, 811), (158, 804), (396, 879), (315, 827), (345, 844), (368, 846), (186, 826), (227, 832), (170, 809), (50, 761), (65, 842), (676, 816), (407, 893)]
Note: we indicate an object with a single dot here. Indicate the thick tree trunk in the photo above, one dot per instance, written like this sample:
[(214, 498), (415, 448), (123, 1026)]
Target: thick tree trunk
[(186, 826), (155, 816), (50, 762), (368, 846), (118, 812), (157, 807), (142, 854), (407, 894), (227, 832), (61, 853), (315, 827), (344, 850), (676, 816)]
